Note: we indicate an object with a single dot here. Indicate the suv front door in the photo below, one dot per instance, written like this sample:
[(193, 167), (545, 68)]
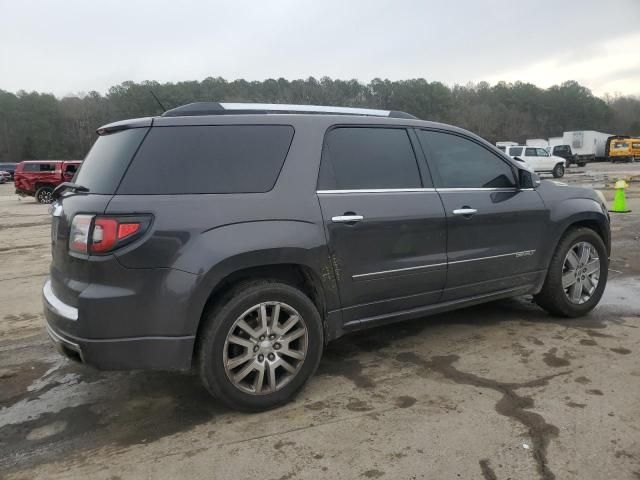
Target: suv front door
[(494, 229), (384, 222)]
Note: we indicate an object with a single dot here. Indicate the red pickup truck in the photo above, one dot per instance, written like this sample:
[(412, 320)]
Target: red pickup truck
[(38, 178)]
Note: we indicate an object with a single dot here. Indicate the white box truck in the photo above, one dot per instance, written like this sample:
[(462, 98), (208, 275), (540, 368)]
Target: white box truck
[(586, 145), (553, 141), (537, 142)]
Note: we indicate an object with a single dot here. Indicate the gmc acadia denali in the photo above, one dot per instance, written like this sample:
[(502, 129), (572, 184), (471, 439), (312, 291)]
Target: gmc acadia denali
[(241, 238)]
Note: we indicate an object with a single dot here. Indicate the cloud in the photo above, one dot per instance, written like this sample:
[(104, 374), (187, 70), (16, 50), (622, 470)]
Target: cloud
[(80, 46)]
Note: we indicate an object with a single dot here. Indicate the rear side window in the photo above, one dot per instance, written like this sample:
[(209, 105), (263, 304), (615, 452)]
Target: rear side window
[(515, 151), (39, 167), (368, 158), (208, 159), (104, 165), (460, 163)]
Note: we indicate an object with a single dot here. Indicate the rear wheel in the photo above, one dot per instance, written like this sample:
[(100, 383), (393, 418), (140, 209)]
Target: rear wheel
[(259, 345), (558, 171), (582, 164), (577, 275), (44, 194)]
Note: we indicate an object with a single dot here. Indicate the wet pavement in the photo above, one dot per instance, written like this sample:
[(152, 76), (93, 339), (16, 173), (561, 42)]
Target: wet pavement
[(496, 391)]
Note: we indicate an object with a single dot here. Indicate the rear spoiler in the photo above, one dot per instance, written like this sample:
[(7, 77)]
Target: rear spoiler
[(125, 125)]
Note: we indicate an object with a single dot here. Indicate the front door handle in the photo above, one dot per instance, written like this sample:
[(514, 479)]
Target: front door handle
[(466, 211), (347, 218)]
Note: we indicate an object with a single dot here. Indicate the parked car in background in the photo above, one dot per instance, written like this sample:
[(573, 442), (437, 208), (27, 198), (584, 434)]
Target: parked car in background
[(8, 167), (4, 176), (291, 226), (539, 159), (564, 151), (38, 178), (620, 150)]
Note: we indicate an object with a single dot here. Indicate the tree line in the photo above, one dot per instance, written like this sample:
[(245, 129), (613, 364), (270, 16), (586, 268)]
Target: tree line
[(40, 126)]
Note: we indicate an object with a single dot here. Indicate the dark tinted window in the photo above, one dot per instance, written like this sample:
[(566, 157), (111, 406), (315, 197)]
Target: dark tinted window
[(515, 151), (461, 163), (366, 158), (530, 152), (102, 169), (208, 159), (39, 167), (561, 149)]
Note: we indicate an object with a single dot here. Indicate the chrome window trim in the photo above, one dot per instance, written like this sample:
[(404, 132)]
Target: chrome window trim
[(57, 305), (376, 190), (522, 253)]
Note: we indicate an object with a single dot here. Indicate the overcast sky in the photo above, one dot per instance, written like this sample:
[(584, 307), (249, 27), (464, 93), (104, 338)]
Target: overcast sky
[(71, 46)]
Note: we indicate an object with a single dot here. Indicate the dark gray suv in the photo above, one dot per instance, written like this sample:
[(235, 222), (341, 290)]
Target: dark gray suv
[(241, 238)]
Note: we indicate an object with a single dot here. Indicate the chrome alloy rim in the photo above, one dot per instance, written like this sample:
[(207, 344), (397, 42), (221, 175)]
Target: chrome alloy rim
[(45, 196), (580, 272), (265, 348)]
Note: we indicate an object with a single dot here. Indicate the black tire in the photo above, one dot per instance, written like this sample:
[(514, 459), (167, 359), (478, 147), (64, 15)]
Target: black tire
[(582, 164), (552, 296), (220, 318), (43, 195), (558, 171)]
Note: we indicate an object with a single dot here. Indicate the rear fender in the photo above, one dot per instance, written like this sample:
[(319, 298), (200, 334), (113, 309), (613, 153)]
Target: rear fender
[(220, 252)]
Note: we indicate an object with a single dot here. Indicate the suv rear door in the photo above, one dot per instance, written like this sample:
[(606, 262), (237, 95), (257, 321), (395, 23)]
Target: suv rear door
[(494, 229), (384, 222)]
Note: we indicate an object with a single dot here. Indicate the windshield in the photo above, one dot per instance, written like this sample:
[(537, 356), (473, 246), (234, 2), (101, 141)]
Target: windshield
[(107, 160)]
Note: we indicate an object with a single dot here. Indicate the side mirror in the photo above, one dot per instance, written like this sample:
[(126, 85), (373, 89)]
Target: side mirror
[(527, 179)]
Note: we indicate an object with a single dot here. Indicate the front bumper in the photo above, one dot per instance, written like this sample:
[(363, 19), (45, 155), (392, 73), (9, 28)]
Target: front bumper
[(147, 353)]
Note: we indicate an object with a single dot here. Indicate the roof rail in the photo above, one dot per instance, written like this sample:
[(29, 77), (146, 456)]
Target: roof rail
[(216, 108)]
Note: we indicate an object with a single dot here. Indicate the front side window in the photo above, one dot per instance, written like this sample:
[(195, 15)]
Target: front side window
[(541, 152), (530, 152), (461, 163), (357, 158)]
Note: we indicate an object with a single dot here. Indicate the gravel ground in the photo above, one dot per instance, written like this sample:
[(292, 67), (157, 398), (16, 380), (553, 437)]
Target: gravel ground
[(497, 391)]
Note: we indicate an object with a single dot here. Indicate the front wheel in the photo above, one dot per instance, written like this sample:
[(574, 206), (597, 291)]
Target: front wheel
[(577, 275), (558, 171), (44, 195), (259, 345)]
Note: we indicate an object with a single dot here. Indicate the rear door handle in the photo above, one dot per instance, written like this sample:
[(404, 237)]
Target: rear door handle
[(465, 211), (347, 219)]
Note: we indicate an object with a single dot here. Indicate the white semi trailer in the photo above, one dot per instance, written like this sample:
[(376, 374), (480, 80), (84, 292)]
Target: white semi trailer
[(586, 145)]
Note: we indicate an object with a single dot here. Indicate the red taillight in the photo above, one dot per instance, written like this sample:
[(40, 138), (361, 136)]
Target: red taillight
[(97, 234), (104, 236), (126, 229)]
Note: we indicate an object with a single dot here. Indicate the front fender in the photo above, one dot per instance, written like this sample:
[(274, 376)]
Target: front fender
[(574, 211)]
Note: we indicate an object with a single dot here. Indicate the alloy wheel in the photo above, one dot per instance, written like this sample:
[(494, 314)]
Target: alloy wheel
[(580, 272), (265, 348)]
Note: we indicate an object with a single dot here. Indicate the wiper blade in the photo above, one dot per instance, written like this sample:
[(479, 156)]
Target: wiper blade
[(64, 186)]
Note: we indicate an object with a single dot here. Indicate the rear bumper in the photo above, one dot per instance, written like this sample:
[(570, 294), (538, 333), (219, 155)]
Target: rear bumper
[(148, 353)]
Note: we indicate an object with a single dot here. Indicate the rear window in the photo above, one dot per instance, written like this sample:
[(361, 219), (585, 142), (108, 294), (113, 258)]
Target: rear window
[(515, 151), (102, 169), (208, 159)]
